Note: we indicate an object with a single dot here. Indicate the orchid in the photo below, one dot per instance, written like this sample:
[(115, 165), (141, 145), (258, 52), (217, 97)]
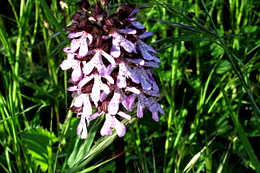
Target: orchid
[(133, 21), (83, 100), (147, 51), (119, 40), (124, 72), (98, 85), (153, 107), (80, 43), (112, 123), (71, 62), (97, 62), (144, 77), (111, 68)]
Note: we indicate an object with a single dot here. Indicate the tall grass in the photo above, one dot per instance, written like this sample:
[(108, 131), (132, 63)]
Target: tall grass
[(209, 75)]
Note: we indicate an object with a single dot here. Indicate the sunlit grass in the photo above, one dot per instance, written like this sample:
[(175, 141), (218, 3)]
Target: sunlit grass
[(209, 73)]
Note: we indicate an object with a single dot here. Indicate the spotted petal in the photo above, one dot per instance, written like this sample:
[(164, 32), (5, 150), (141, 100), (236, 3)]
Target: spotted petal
[(82, 129), (114, 103), (138, 25)]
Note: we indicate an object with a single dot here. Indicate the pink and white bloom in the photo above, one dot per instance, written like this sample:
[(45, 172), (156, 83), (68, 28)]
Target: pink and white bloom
[(111, 68)]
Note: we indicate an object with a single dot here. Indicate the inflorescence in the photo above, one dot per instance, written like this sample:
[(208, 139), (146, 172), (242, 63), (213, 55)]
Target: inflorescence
[(111, 67)]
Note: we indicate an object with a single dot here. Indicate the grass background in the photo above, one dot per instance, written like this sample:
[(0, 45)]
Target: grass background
[(209, 75)]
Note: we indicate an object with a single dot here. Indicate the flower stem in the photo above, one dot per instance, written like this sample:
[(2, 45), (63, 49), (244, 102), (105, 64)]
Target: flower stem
[(120, 152)]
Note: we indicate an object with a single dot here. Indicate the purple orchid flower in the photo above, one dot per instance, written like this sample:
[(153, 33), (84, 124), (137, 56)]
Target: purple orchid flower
[(147, 51), (144, 77), (75, 65), (112, 123), (80, 43), (97, 62), (143, 62), (83, 100), (97, 87), (154, 108), (133, 21), (107, 72), (151, 104), (124, 72), (119, 40)]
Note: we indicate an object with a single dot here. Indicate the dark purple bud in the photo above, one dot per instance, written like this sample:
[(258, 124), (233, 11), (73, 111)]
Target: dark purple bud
[(83, 4), (125, 10)]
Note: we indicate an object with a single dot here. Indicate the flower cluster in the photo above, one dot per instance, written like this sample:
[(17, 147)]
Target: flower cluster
[(111, 67)]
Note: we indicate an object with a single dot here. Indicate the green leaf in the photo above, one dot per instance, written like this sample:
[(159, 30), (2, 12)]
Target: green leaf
[(223, 67), (82, 147), (38, 142)]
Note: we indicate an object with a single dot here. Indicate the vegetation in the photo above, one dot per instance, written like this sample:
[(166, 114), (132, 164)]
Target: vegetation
[(209, 80)]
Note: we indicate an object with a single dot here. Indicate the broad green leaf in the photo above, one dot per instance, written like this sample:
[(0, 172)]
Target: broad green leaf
[(38, 142), (223, 67)]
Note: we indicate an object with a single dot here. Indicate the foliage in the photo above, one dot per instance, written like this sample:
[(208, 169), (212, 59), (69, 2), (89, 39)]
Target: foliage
[(209, 79)]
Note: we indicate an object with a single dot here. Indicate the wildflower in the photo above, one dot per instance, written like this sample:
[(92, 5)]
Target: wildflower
[(80, 43), (83, 100), (111, 67), (97, 86), (97, 62), (133, 21), (119, 40), (147, 51), (124, 72), (111, 123), (71, 62), (153, 107)]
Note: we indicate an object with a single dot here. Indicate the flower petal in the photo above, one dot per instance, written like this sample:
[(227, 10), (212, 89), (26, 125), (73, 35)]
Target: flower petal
[(132, 89), (115, 49), (75, 34), (127, 31), (87, 108), (95, 115), (83, 50), (114, 103), (78, 102), (136, 10), (88, 67), (75, 45), (152, 93), (132, 74), (107, 129), (127, 45), (138, 25), (82, 129), (140, 110), (120, 128), (142, 103), (95, 94), (109, 79), (124, 115), (76, 75), (136, 61), (151, 64), (145, 35), (155, 116), (66, 64), (85, 80), (103, 96), (66, 50), (121, 80), (108, 57), (128, 101), (144, 77)]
